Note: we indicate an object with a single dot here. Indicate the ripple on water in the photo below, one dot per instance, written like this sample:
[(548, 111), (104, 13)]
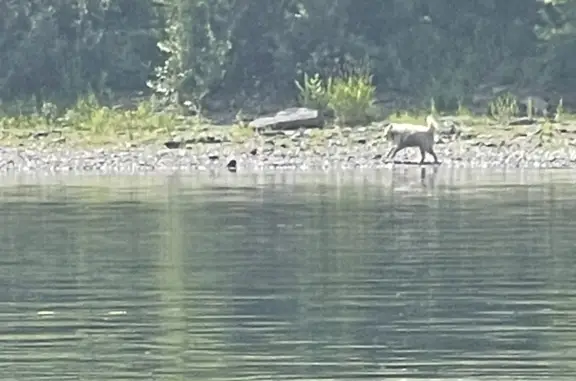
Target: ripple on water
[(284, 280)]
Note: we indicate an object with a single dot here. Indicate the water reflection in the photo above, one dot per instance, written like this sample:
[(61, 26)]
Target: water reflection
[(421, 274)]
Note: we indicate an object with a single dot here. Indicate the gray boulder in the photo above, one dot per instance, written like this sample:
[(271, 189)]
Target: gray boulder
[(290, 119)]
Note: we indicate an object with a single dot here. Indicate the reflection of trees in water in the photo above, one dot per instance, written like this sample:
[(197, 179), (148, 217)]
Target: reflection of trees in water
[(461, 258), (435, 273), (320, 273), (173, 313), (300, 258), (561, 209)]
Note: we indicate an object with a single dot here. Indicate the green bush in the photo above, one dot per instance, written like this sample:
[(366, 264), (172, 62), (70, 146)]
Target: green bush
[(88, 115), (349, 96), (313, 92), (504, 108), (90, 121)]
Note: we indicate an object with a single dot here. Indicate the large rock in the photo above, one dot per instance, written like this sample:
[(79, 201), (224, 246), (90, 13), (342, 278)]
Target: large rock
[(523, 121), (290, 119), (449, 126)]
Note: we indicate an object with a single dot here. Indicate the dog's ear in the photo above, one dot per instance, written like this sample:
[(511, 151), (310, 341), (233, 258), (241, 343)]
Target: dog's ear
[(386, 126)]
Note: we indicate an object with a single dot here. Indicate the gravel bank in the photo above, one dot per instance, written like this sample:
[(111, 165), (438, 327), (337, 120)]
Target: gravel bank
[(358, 153)]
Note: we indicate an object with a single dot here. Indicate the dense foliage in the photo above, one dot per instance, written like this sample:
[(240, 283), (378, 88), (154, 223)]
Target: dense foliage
[(226, 49)]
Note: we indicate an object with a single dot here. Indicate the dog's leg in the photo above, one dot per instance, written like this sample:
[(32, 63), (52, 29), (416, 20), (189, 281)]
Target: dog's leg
[(431, 152), (394, 151), (423, 153)]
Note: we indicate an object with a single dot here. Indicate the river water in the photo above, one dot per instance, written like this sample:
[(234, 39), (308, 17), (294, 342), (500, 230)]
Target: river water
[(454, 274)]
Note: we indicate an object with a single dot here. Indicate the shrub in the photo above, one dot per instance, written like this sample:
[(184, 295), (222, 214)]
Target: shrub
[(313, 92), (504, 108), (350, 96), (89, 120)]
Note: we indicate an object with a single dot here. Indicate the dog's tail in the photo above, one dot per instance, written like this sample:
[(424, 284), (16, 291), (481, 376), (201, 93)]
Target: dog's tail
[(388, 130), (432, 124)]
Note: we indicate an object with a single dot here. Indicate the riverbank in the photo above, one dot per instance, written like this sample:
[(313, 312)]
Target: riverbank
[(206, 147)]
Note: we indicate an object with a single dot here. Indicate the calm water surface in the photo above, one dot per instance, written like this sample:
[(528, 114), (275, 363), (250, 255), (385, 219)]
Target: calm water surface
[(369, 275)]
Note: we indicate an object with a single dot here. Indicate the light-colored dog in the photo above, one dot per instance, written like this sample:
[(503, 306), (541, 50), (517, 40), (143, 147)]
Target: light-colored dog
[(413, 135)]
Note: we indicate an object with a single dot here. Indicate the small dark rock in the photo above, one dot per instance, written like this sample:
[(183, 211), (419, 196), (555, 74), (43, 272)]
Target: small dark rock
[(271, 133), (209, 139), (173, 144), (520, 134), (232, 165), (467, 135), (213, 157), (492, 144), (254, 152), (361, 140), (450, 130), (40, 134), (377, 157)]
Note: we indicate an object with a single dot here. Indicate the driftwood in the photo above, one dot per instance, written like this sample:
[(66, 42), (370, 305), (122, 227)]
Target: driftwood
[(290, 119)]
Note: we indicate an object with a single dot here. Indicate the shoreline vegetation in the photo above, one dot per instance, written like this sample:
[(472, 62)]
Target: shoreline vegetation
[(92, 137), (350, 132), (180, 84)]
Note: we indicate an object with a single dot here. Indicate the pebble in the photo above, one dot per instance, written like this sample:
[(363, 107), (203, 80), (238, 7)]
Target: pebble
[(160, 159)]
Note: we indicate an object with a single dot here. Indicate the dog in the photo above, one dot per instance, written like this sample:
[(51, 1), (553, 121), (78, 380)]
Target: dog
[(413, 135)]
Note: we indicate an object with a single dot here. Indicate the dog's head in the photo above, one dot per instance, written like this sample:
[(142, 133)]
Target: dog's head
[(432, 123)]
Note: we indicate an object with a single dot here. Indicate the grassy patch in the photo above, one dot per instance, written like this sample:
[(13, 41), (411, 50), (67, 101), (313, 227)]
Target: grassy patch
[(419, 117), (350, 96), (486, 128), (408, 117), (504, 108), (89, 123)]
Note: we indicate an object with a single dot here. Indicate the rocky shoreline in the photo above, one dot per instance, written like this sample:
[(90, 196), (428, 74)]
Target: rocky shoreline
[(295, 150)]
